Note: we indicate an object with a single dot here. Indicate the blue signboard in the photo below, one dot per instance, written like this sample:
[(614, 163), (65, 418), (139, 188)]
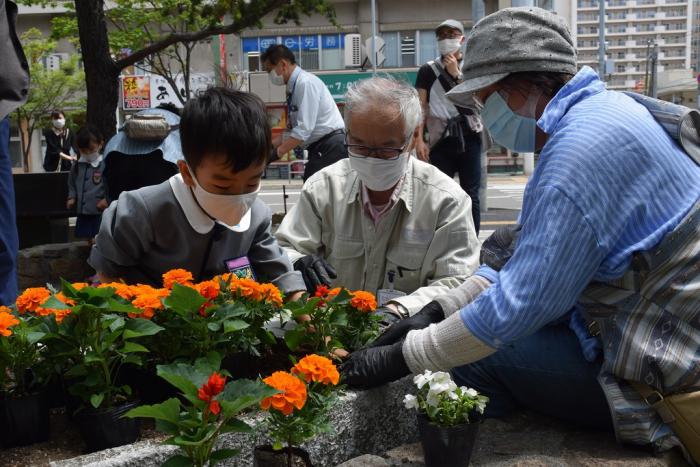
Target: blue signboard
[(331, 41), (250, 44), (309, 42), (266, 42), (291, 42)]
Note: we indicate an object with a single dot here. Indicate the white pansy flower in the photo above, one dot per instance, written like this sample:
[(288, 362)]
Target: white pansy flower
[(480, 406), (439, 387), (422, 380), (433, 398), (469, 391), (410, 401)]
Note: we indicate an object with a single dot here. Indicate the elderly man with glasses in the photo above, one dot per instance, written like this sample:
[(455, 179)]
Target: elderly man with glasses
[(382, 220)]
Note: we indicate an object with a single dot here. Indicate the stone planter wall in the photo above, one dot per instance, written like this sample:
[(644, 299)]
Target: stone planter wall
[(373, 421), (39, 265)]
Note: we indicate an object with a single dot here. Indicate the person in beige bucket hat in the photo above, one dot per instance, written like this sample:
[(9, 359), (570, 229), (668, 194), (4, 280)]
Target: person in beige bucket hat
[(599, 294)]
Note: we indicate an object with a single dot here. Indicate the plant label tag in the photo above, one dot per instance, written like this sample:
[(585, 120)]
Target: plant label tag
[(384, 296), (240, 267)]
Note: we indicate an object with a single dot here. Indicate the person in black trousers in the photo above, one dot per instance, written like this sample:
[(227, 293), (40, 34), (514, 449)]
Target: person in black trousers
[(59, 142)]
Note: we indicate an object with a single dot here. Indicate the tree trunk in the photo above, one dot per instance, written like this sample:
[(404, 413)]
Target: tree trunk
[(101, 73)]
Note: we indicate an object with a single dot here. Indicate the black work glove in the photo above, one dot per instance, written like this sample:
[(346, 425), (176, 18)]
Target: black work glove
[(316, 271), (389, 317), (429, 314), (499, 247), (374, 366)]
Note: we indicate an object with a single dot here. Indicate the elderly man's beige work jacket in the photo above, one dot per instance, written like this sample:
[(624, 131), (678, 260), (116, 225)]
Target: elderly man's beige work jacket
[(426, 242)]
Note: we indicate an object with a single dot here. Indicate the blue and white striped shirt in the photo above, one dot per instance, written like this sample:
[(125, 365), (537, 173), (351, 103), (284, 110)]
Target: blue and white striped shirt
[(609, 182)]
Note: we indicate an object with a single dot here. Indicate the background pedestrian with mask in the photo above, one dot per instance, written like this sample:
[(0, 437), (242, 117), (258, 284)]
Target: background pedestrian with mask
[(314, 121), (454, 133), (382, 221), (59, 144)]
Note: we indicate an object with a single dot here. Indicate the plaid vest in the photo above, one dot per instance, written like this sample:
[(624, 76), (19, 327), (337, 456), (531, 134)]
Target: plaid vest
[(649, 325)]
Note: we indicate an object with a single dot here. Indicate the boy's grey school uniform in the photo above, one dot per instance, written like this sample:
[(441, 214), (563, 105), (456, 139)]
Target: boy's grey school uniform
[(149, 231), (86, 185)]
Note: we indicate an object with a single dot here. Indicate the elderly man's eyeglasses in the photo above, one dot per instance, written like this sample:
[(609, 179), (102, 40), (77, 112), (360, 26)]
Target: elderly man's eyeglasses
[(360, 151)]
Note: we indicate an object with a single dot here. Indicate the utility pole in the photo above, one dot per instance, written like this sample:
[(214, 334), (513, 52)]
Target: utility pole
[(647, 89), (374, 37), (601, 39), (654, 71)]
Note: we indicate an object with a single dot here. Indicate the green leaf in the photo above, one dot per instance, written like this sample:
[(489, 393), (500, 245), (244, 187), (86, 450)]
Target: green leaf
[(178, 461), (168, 411), (236, 425), (55, 303), (96, 399), (119, 307), (339, 317), (235, 325), (222, 454), (184, 300), (133, 347), (295, 337), (140, 327), (33, 337), (214, 326), (76, 371), (117, 324), (243, 393)]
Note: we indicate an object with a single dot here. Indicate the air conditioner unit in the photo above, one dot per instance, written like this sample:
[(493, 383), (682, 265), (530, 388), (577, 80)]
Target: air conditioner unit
[(53, 61), (353, 50)]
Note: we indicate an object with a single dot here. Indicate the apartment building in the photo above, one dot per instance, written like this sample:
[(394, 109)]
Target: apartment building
[(631, 29)]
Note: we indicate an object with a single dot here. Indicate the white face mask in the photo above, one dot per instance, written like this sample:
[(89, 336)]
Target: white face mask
[(379, 174), (226, 209), (276, 79), (448, 46), (59, 123)]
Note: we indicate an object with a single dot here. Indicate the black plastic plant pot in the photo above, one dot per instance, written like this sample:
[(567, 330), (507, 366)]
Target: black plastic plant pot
[(24, 421), (444, 446), (146, 384), (105, 428), (265, 456)]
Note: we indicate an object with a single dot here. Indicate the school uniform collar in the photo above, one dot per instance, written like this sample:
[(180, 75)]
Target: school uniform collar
[(95, 164), (196, 217)]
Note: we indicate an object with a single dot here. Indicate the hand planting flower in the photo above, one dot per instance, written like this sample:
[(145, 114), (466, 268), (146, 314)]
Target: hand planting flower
[(442, 401)]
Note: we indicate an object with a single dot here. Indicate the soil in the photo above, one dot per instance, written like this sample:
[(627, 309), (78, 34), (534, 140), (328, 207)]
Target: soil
[(265, 456), (65, 442)]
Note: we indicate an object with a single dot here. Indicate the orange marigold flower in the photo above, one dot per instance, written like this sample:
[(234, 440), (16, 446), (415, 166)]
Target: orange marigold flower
[(318, 369), (7, 320), (271, 294), (293, 393), (32, 299), (208, 289), (61, 314), (213, 387), (248, 288), (177, 276), (64, 299), (125, 291), (149, 300), (334, 291), (79, 285), (363, 301)]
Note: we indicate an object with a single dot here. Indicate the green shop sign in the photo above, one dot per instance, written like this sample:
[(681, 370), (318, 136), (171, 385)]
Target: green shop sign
[(338, 82)]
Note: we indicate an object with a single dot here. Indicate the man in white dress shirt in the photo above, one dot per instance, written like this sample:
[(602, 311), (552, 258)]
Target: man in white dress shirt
[(314, 121)]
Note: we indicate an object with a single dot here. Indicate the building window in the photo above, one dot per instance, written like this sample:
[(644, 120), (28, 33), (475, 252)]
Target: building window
[(400, 48), (408, 48)]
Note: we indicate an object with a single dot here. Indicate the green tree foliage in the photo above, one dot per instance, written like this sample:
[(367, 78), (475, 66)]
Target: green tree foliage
[(161, 33), (48, 90)]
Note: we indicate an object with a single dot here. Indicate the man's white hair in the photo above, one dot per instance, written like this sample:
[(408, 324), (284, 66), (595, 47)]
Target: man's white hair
[(383, 93)]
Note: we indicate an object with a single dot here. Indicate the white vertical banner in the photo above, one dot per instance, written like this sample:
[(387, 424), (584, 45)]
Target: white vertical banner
[(162, 92)]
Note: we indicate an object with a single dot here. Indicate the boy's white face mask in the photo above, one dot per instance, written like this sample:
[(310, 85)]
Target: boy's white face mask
[(226, 209)]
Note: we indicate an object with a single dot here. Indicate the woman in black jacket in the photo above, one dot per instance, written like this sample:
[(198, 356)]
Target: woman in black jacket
[(59, 141)]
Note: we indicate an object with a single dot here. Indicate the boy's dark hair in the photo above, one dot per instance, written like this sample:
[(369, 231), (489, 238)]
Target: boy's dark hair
[(56, 114), (170, 107), (88, 135), (227, 122), (277, 52)]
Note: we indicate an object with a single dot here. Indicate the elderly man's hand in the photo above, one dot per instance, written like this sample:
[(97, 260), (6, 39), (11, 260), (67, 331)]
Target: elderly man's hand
[(374, 366), (422, 150)]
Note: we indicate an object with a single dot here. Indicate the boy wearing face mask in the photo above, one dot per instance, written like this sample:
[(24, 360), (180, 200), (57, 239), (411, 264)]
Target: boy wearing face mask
[(454, 133), (86, 186), (59, 141), (206, 219)]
